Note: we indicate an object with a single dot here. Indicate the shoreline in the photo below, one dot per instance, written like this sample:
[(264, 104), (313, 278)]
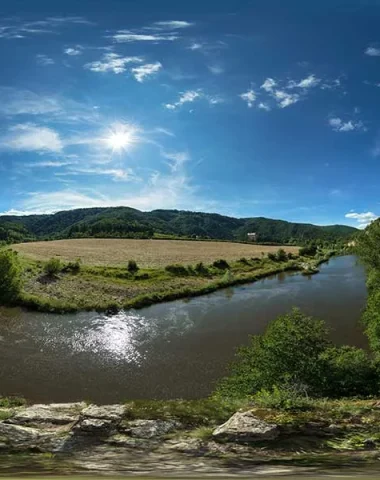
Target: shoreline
[(46, 304)]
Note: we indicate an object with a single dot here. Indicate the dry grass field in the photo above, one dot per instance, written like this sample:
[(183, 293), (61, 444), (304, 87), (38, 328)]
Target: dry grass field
[(147, 253)]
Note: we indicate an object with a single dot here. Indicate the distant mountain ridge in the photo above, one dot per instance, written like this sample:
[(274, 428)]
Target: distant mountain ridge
[(131, 223)]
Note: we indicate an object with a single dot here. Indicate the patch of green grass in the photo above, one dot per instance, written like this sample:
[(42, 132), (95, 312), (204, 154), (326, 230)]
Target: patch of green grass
[(10, 402)]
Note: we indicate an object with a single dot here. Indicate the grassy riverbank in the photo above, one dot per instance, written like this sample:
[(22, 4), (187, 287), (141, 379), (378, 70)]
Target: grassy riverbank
[(71, 286)]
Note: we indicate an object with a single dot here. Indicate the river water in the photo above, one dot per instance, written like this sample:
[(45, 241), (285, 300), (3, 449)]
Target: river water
[(171, 350)]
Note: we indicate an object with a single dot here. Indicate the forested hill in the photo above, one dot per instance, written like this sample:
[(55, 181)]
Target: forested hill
[(130, 223)]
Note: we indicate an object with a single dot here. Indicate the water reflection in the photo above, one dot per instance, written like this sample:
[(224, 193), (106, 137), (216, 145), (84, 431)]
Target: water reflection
[(177, 349)]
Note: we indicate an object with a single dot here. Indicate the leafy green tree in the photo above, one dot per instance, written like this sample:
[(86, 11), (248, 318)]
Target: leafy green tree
[(10, 276), (368, 246), (132, 267), (349, 371), (286, 354)]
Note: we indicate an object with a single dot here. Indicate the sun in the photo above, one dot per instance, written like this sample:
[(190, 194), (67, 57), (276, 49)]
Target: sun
[(121, 137)]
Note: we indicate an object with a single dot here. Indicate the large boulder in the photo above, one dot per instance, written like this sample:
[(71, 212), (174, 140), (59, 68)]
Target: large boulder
[(55, 413), (20, 438), (94, 426), (105, 412), (245, 427)]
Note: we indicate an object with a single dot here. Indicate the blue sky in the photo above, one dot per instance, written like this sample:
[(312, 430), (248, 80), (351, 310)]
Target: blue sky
[(245, 108)]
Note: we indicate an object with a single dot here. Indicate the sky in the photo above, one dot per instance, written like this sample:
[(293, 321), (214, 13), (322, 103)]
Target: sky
[(245, 108)]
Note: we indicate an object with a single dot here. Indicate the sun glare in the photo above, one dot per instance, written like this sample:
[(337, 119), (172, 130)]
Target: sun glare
[(121, 137)]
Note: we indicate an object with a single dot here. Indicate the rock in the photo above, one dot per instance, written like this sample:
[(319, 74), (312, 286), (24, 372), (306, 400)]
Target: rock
[(106, 412), (94, 426), (149, 428), (193, 446), (55, 413), (16, 437), (120, 440), (245, 427)]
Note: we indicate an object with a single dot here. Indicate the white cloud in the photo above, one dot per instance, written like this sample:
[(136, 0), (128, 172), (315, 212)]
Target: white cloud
[(269, 85), (173, 24), (177, 159), (187, 97), (214, 100), (140, 73), (249, 97), (308, 82), (363, 219), (32, 138), (195, 46), (373, 52), (73, 51), (18, 29), (285, 99), (44, 60), (216, 69), (112, 62), (264, 106), (165, 131), (117, 174), (125, 36), (338, 125)]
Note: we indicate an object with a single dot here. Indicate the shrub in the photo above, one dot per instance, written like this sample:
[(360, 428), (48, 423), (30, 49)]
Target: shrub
[(177, 269), (201, 269), (281, 255), (244, 261), (283, 398), (72, 267), (272, 256), (349, 371), (308, 251), (10, 276), (286, 354), (227, 277), (53, 266), (221, 264), (132, 267)]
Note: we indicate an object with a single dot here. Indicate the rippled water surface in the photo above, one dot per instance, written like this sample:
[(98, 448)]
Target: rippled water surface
[(177, 349)]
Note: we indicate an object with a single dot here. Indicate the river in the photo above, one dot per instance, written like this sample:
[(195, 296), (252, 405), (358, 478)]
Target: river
[(171, 350)]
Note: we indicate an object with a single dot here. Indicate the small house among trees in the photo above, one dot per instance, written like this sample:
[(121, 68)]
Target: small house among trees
[(252, 237)]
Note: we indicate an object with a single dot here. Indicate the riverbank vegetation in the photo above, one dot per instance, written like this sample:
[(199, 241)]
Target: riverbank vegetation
[(66, 286)]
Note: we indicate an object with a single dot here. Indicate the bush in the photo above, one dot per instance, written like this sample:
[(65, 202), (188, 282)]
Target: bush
[(53, 266), (201, 269), (284, 398), (281, 255), (221, 264), (286, 354), (349, 371), (308, 251), (10, 276), (244, 261), (132, 267), (177, 269), (72, 267), (272, 256)]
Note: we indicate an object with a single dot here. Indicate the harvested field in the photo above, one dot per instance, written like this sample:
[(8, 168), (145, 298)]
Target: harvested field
[(147, 253)]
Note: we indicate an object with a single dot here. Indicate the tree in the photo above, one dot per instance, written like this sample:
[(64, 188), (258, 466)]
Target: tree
[(10, 276), (368, 245), (132, 267), (288, 353)]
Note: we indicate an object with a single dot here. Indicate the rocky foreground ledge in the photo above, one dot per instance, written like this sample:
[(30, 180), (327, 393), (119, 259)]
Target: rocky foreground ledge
[(77, 437)]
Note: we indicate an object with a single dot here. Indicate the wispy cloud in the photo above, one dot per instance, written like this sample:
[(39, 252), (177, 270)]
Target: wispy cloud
[(187, 97), (216, 69), (372, 51), (147, 70), (164, 131), (176, 159), (73, 51), (308, 82), (117, 174), (363, 219), (44, 60), (269, 85), (264, 106), (195, 46), (173, 24), (249, 97), (29, 137), (285, 99), (339, 125), (285, 94), (18, 29), (126, 36), (112, 62)]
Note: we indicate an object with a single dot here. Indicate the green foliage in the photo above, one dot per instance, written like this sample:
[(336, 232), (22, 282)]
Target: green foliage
[(281, 255), (286, 354), (285, 398), (308, 251), (368, 246), (201, 269), (124, 222), (10, 276), (349, 372), (53, 266), (272, 256), (221, 264), (72, 267), (10, 402), (178, 270), (132, 267), (244, 261)]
